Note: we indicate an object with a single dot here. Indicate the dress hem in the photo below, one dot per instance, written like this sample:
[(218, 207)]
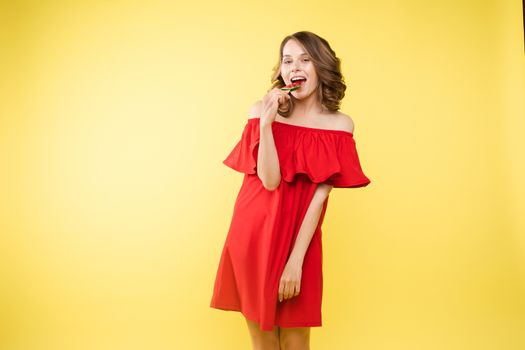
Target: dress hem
[(280, 324)]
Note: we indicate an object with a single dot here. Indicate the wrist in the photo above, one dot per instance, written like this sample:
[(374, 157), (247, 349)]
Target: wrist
[(296, 259), (265, 124)]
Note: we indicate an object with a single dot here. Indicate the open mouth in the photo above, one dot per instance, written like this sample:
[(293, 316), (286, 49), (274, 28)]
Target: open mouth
[(300, 81)]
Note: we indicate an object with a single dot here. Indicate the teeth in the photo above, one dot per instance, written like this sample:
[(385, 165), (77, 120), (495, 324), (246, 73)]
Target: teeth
[(297, 78)]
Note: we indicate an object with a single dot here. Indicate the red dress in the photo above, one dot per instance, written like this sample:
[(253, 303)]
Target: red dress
[(265, 223)]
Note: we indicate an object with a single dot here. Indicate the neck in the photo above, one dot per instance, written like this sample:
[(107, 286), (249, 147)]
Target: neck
[(308, 107)]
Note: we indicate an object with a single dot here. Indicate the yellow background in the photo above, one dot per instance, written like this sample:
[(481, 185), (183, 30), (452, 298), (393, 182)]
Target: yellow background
[(115, 117)]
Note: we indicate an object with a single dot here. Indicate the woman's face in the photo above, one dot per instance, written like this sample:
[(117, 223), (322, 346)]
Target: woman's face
[(297, 62)]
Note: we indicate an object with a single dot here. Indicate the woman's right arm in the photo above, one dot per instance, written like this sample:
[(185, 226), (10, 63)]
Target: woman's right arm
[(268, 168)]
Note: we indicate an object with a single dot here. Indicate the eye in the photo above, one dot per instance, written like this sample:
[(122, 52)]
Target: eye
[(288, 61)]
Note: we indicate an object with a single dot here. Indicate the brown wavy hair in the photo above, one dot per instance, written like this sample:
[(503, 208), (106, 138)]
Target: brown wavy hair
[(331, 87)]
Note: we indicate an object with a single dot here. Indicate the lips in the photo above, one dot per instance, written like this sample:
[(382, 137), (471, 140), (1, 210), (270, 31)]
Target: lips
[(298, 78)]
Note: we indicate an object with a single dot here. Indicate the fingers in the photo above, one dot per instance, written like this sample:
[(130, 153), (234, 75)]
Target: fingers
[(297, 289), (283, 98), (294, 290), (288, 289), (277, 92), (275, 100), (278, 100), (281, 290)]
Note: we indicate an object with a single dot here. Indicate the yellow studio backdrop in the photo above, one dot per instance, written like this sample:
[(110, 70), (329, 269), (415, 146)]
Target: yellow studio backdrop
[(115, 117)]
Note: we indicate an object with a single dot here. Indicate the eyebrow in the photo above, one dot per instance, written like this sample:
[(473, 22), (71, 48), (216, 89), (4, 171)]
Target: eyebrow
[(304, 53)]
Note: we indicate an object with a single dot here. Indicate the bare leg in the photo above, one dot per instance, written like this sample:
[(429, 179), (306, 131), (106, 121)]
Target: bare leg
[(263, 340), (294, 338)]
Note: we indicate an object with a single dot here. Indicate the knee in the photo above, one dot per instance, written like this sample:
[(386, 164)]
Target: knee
[(297, 338), (265, 340)]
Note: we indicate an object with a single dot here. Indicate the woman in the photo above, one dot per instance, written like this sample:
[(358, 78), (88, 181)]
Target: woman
[(295, 147)]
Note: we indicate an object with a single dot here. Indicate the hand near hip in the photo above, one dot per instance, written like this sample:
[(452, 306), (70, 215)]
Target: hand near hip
[(290, 283)]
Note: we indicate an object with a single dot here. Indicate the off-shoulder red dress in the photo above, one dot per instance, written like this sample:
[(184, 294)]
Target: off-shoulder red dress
[(265, 223)]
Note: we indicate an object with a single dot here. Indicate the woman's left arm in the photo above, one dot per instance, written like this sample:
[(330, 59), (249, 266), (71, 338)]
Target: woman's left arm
[(310, 221), (289, 285)]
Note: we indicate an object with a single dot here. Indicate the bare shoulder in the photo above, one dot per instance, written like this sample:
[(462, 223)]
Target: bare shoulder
[(344, 122), (255, 110)]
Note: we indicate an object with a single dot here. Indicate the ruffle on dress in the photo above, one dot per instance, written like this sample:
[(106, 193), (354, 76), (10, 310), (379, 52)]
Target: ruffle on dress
[(325, 156)]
